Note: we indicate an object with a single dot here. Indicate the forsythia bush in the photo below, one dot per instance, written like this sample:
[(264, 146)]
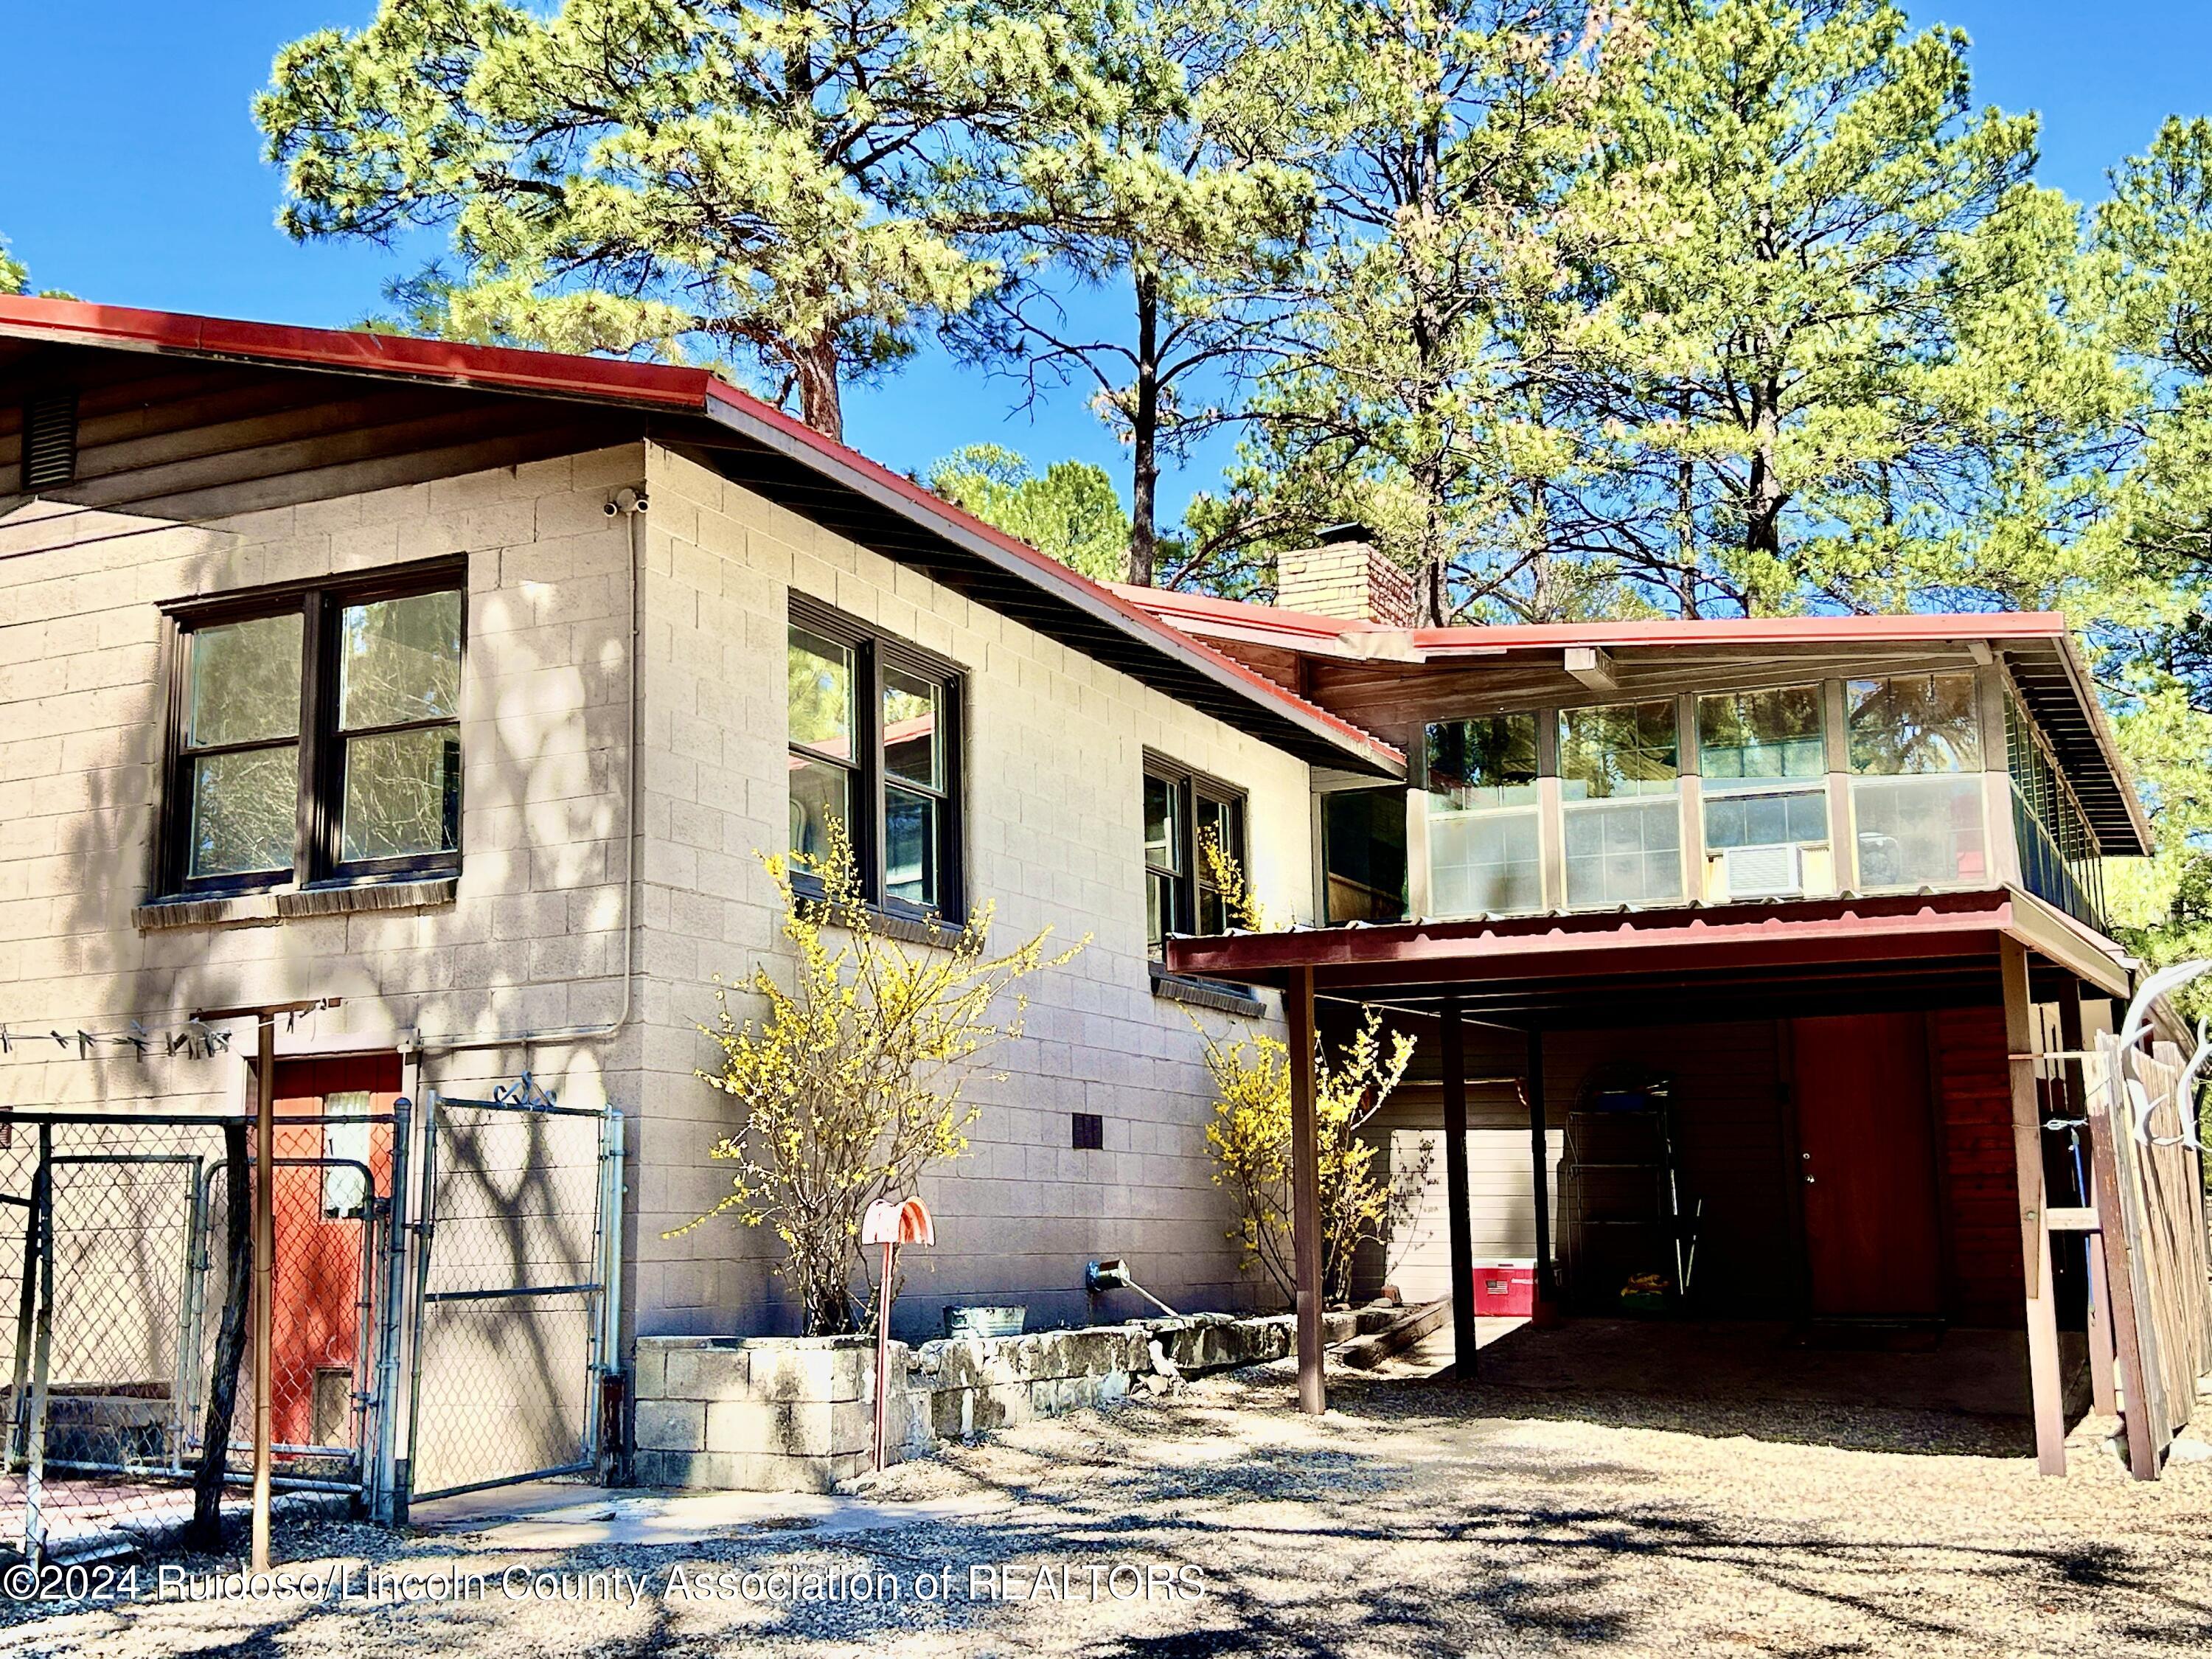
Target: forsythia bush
[(851, 1083), (1250, 1141)]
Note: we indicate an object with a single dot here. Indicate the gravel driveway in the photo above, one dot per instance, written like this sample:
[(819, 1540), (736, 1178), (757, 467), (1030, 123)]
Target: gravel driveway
[(1417, 1517)]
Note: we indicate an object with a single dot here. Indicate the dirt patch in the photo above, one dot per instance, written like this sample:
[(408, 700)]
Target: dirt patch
[(1417, 1517)]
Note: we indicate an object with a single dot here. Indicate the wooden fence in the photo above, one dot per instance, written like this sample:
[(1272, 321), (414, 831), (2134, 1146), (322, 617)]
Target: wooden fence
[(2151, 1214)]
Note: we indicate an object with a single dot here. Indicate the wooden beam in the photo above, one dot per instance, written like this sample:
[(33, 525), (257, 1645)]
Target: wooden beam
[(2044, 1384), (1455, 1190), (1539, 1153), (2115, 1285), (1305, 1191), (1592, 666)]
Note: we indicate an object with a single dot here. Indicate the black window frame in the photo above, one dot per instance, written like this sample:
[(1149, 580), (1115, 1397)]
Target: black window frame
[(317, 846), (873, 651), (1192, 882)]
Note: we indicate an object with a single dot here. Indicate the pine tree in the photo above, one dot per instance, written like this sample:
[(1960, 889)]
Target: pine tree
[(756, 181), (1434, 315), (1849, 364), (1167, 187)]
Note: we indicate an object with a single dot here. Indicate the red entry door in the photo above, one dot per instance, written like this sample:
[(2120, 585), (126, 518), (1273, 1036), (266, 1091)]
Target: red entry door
[(1866, 1166), (323, 1215)]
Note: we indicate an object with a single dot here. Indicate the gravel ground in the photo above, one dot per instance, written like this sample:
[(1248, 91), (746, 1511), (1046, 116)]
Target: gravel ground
[(1417, 1517)]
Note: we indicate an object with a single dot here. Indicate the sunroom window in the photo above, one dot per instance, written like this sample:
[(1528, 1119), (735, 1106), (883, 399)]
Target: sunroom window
[(1620, 788), (1482, 820), (1764, 775), (1916, 753)]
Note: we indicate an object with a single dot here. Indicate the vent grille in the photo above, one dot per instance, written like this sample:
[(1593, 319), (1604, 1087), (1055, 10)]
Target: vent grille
[(49, 439)]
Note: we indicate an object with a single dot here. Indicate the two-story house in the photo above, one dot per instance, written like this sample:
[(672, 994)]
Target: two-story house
[(460, 687), (1736, 946)]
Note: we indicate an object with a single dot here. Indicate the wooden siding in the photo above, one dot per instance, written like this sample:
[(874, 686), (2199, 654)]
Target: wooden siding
[(1394, 699), (1980, 1202), (168, 439)]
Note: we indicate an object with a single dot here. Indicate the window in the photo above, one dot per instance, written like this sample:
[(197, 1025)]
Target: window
[(1764, 762), (316, 735), (1088, 1133), (1362, 842), (2060, 860), (1621, 817), (1916, 753), (1482, 830), (872, 728), (1184, 812), (346, 1150)]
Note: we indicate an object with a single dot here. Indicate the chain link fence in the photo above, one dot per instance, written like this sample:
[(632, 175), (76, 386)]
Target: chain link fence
[(119, 1350)]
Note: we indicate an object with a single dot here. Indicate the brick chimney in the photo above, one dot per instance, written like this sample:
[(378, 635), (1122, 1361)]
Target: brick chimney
[(1346, 576)]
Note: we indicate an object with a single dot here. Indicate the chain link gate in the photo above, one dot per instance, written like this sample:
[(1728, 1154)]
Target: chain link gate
[(113, 1246), (514, 1310)]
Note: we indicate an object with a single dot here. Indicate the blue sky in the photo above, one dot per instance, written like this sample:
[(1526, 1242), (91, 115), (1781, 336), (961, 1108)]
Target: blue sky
[(153, 192)]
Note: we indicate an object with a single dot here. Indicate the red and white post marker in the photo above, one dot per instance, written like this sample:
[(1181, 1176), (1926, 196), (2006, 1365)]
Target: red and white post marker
[(890, 1222)]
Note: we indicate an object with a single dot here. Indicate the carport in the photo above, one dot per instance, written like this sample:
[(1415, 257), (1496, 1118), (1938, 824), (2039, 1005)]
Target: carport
[(2013, 982)]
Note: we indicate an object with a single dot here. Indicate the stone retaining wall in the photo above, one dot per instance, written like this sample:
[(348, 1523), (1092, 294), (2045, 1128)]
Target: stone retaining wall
[(794, 1413)]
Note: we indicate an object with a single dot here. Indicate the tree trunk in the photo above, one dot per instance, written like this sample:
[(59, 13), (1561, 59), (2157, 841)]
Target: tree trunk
[(206, 1530), (1686, 515), (1145, 433), (820, 404), (1763, 493)]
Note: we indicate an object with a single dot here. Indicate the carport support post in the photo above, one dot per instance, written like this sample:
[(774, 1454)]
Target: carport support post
[(2044, 1384), (1455, 1195), (1539, 1153), (1305, 1190), (264, 1286)]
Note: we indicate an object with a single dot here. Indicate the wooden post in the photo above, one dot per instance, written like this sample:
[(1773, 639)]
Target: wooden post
[(2108, 1122), (1305, 1190), (1540, 1154), (2044, 1384), (1455, 1190), (2099, 1315), (264, 1275)]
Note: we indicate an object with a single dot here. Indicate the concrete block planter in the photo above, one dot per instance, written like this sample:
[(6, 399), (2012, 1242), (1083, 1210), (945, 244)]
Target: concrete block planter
[(794, 1413)]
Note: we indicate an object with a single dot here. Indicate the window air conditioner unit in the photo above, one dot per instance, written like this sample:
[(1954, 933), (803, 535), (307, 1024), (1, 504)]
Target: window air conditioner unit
[(1776, 872)]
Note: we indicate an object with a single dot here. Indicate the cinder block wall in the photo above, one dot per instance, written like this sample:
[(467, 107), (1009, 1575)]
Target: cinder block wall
[(1053, 789), (534, 938)]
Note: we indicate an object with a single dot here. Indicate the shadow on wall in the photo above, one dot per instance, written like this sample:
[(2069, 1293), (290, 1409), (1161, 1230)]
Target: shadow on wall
[(535, 938)]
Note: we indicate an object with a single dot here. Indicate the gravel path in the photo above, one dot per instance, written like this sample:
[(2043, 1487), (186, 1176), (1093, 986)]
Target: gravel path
[(1417, 1517)]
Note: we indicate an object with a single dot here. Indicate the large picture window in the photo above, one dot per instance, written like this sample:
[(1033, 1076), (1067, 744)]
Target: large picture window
[(1915, 751), (872, 728), (316, 734), (1184, 812), (1620, 788), (1482, 819)]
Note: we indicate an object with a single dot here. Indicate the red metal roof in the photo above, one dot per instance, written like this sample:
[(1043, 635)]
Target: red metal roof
[(1296, 626), (1427, 959), (1751, 630), (621, 382), (2062, 689)]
